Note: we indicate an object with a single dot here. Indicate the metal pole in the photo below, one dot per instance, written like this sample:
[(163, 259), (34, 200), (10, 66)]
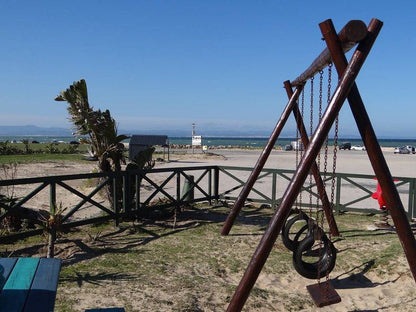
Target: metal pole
[(380, 167), (326, 205), (260, 163), (276, 223)]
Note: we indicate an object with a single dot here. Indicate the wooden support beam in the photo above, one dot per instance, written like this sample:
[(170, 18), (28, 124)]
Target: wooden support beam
[(276, 223), (378, 162)]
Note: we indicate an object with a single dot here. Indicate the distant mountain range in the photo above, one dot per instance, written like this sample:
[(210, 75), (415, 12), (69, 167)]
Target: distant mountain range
[(33, 131)]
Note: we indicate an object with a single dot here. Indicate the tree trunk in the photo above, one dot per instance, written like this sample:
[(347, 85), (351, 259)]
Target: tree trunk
[(51, 244)]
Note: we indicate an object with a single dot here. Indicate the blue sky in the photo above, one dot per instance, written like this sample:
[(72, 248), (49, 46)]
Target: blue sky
[(162, 65)]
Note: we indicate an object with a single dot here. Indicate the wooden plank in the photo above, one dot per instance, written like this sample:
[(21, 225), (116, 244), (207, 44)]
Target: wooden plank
[(43, 291), (16, 289), (6, 266), (323, 294)]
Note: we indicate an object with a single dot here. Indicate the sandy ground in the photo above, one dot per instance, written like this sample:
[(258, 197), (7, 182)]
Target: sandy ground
[(379, 295), (347, 161)]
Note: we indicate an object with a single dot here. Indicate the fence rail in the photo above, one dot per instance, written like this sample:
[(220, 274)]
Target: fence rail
[(143, 191)]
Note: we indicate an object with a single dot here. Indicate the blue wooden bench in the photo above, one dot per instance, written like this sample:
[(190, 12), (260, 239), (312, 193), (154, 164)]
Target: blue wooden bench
[(28, 284)]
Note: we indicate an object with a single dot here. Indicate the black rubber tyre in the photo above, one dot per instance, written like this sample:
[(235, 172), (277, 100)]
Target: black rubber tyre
[(292, 244), (314, 270)]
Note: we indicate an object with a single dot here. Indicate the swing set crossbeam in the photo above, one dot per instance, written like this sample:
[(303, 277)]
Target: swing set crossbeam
[(352, 33)]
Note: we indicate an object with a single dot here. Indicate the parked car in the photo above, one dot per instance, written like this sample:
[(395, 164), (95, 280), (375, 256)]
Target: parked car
[(345, 146), (297, 145), (358, 148), (288, 147), (401, 150), (411, 149)]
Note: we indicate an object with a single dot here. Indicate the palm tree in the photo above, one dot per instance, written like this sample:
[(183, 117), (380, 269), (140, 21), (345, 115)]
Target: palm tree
[(99, 128)]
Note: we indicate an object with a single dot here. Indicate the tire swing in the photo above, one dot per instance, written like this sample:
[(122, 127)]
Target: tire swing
[(325, 253), (315, 256), (293, 243)]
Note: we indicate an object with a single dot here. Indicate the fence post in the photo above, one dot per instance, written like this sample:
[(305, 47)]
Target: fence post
[(52, 197), (137, 192), (210, 186), (127, 195), (115, 201), (274, 188), (337, 205), (188, 189), (216, 183), (52, 230), (178, 191)]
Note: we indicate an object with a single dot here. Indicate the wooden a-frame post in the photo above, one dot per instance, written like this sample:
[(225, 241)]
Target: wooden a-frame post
[(346, 89)]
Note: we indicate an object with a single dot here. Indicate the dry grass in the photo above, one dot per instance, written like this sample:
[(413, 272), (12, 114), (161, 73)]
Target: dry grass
[(155, 267)]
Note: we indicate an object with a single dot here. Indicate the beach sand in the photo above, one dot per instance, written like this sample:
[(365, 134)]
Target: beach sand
[(367, 292)]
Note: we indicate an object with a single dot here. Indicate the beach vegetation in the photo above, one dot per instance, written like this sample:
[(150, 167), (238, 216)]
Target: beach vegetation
[(27, 148), (193, 268), (52, 227), (39, 158), (98, 129), (9, 223), (7, 149)]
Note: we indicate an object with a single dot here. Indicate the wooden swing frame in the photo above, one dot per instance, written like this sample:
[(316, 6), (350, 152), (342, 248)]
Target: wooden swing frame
[(337, 45), (354, 31)]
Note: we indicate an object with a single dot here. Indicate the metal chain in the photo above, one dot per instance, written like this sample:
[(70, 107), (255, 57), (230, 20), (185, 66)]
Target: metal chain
[(302, 106), (321, 77), (310, 134), (333, 163), (328, 99)]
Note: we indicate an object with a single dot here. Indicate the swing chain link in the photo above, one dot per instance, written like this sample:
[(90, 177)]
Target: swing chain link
[(321, 77), (310, 133), (334, 164)]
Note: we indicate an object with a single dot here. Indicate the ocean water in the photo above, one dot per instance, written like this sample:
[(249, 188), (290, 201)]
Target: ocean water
[(246, 142)]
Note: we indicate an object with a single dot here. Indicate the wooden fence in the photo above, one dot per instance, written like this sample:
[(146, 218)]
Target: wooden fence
[(83, 198)]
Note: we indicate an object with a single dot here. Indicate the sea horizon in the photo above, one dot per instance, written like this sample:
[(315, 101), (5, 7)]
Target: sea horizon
[(227, 141)]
